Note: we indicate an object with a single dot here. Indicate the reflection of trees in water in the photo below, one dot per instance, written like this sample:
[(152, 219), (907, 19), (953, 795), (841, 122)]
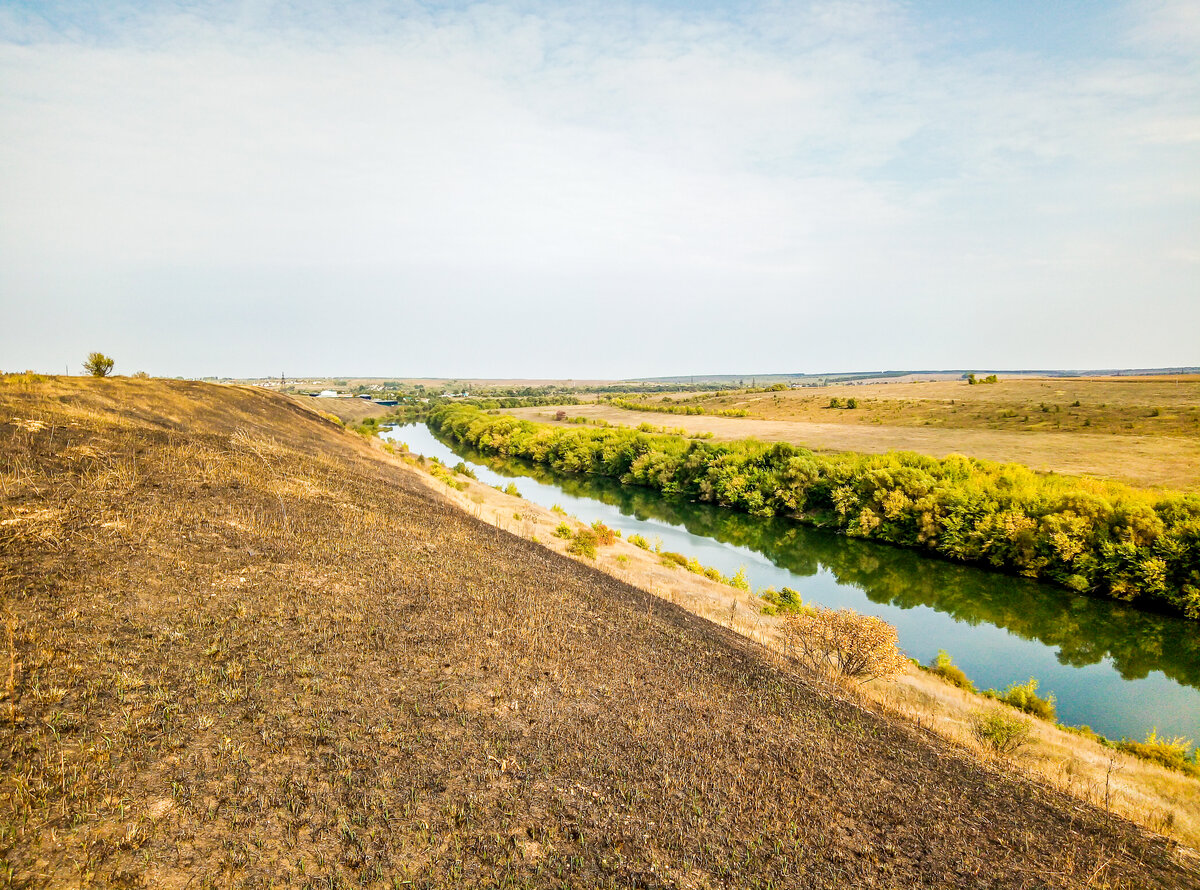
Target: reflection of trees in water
[(1083, 629)]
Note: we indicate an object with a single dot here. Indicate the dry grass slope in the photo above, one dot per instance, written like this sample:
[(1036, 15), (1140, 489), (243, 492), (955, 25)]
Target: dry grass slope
[(241, 649)]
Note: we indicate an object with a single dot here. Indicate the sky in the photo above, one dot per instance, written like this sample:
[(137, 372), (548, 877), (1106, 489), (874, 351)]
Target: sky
[(598, 190)]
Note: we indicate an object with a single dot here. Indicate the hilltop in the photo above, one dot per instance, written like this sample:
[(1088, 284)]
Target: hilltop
[(245, 648)]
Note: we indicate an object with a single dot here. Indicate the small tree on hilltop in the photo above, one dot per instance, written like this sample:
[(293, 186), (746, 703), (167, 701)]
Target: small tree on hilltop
[(98, 364)]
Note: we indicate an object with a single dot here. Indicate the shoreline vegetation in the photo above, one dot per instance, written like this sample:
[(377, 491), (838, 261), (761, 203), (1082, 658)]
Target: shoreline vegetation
[(1095, 537), (1177, 753), (1015, 726)]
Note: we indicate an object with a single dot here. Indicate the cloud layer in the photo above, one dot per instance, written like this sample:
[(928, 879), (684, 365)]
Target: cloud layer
[(518, 189)]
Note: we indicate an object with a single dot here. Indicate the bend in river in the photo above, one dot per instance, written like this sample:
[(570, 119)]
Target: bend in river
[(1120, 670)]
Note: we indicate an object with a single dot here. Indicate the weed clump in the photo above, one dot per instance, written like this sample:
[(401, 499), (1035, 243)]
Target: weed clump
[(563, 530), (639, 541), (1003, 733), (1024, 697), (781, 602), (584, 543), (673, 560), (944, 667)]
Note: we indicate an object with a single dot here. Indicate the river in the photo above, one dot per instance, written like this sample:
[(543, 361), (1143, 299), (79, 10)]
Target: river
[(1121, 671)]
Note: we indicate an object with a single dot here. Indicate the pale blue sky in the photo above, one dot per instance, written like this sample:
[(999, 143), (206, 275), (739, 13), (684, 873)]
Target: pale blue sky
[(599, 190)]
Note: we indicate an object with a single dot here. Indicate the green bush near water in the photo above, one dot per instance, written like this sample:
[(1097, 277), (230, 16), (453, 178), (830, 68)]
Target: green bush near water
[(944, 667), (1024, 697), (1091, 536), (1003, 733), (781, 602)]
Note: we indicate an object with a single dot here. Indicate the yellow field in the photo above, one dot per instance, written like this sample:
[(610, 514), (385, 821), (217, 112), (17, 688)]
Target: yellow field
[(1154, 406), (1114, 432)]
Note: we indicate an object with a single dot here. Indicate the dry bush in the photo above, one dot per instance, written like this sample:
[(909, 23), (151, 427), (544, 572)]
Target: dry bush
[(843, 644)]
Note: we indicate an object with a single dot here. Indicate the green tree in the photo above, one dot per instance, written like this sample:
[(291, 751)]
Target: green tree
[(98, 364)]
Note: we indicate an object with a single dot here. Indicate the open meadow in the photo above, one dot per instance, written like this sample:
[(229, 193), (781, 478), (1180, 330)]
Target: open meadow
[(1142, 431), (244, 647)]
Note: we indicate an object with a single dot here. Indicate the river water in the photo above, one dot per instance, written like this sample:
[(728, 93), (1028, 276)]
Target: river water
[(1119, 670)]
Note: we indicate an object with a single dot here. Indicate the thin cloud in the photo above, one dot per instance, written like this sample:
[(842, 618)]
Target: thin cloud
[(836, 164)]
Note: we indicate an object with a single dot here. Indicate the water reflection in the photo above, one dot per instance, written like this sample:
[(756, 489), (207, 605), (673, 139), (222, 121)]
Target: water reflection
[(934, 604)]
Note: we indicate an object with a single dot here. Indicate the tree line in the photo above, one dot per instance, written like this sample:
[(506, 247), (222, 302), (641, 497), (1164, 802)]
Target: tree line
[(1088, 535)]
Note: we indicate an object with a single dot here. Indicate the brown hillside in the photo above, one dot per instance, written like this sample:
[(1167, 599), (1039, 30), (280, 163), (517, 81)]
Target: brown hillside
[(242, 648)]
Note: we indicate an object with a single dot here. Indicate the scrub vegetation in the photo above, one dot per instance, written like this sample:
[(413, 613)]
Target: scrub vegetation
[(246, 647), (1093, 537)]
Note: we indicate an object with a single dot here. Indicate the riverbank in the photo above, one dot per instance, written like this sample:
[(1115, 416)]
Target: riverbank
[(1139, 432), (1104, 539), (245, 647), (1164, 800)]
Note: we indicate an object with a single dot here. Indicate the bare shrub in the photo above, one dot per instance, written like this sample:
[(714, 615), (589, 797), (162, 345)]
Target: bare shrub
[(999, 730), (843, 644)]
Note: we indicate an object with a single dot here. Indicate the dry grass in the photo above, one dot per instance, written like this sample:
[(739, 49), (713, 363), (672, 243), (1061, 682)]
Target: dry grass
[(1142, 432), (241, 649), (349, 410), (1123, 406), (1164, 800)]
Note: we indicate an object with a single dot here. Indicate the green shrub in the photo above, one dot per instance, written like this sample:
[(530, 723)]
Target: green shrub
[(563, 531), (738, 579), (639, 541), (945, 668), (1024, 697), (463, 470), (584, 543), (558, 509), (1002, 732), (781, 602), (1173, 753), (98, 364), (672, 559), (512, 490)]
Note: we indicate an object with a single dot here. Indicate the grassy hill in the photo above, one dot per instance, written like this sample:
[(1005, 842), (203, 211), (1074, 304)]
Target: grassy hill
[(242, 648)]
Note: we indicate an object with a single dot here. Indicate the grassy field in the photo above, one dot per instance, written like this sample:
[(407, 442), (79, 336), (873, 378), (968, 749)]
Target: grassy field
[(1146, 406), (347, 410), (245, 649), (1145, 432)]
